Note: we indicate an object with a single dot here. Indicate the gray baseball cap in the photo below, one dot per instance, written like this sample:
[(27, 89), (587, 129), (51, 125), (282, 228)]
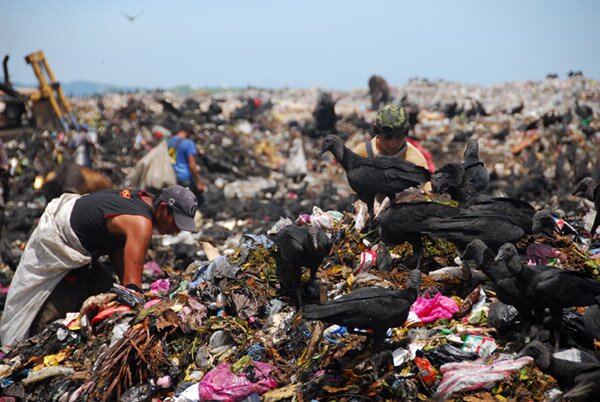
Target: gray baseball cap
[(184, 205)]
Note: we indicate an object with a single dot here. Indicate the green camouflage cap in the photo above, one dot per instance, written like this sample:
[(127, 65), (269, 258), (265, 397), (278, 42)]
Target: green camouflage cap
[(392, 120)]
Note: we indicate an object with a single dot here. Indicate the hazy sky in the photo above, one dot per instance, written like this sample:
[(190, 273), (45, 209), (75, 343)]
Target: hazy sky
[(326, 43)]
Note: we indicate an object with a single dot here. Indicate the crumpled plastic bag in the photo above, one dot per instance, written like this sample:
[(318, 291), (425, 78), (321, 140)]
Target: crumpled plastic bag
[(218, 268), (223, 385), (154, 170), (152, 269), (448, 353), (325, 220), (503, 317), (368, 260), (190, 394), (469, 376), (296, 164), (540, 254), (484, 346), (360, 215), (439, 306), (277, 326), (160, 285), (280, 224)]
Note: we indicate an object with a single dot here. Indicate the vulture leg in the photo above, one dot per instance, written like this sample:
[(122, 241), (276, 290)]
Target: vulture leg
[(370, 207), (418, 251), (299, 297), (594, 227), (314, 288), (538, 314), (557, 323), (526, 320)]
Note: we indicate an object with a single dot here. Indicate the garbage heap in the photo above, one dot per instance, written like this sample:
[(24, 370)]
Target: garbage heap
[(210, 323), (218, 331)]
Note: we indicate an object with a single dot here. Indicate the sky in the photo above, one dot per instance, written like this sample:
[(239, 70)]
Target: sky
[(325, 43)]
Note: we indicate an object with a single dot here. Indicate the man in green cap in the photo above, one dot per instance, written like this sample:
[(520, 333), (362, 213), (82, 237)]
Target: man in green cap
[(391, 127)]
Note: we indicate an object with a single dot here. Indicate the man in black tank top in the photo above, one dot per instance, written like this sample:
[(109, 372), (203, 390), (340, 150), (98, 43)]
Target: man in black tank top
[(117, 223)]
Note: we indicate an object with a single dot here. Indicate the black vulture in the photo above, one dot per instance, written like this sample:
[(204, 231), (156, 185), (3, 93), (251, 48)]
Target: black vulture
[(503, 281), (298, 247), (168, 106), (510, 218), (451, 179), (371, 176), (324, 114), (475, 171), (583, 375), (409, 221), (370, 307), (590, 189), (462, 181), (491, 227), (550, 287), (517, 109)]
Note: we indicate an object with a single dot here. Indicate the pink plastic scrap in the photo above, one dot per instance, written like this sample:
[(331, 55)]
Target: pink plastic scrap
[(160, 285), (153, 269), (223, 385), (469, 376), (429, 310), (152, 303), (539, 254)]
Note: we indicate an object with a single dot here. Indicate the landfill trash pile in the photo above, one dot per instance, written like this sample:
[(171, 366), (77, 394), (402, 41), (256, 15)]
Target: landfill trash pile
[(211, 322)]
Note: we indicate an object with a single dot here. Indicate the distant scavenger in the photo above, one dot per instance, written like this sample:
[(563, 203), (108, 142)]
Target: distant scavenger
[(183, 158)]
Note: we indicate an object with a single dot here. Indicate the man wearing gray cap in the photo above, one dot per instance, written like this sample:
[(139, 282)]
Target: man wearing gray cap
[(57, 271)]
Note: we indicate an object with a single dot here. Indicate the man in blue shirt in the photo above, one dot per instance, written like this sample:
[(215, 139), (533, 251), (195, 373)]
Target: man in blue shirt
[(183, 158)]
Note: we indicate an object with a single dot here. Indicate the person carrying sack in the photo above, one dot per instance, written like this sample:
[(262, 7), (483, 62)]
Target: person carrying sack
[(183, 159)]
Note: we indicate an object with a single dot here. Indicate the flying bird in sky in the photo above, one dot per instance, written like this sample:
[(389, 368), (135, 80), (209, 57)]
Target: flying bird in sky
[(132, 18)]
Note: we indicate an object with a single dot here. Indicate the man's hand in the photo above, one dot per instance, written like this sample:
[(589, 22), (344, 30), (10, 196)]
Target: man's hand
[(94, 304), (201, 186)]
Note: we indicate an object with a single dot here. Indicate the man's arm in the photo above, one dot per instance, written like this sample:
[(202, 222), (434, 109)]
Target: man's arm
[(137, 231), (194, 169), (118, 262)]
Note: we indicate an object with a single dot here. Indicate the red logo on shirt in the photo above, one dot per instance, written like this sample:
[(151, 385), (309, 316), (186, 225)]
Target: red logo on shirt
[(125, 194)]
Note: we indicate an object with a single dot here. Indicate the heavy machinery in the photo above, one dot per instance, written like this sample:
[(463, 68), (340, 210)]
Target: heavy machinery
[(12, 103), (47, 106)]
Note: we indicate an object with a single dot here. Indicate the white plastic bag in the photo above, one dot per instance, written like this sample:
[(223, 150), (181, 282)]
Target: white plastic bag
[(52, 250), (154, 170), (296, 165)]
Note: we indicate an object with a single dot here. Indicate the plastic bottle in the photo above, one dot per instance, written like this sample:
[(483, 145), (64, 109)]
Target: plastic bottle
[(426, 370)]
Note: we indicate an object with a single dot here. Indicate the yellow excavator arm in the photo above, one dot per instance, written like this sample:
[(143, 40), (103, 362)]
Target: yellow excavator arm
[(51, 90)]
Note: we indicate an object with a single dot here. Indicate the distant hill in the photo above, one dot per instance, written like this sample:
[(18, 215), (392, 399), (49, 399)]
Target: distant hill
[(88, 88), (83, 88)]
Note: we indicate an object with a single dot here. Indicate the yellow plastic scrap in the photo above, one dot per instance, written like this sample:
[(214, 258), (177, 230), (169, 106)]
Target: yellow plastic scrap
[(55, 359), (278, 394), (52, 360), (242, 364), (72, 321)]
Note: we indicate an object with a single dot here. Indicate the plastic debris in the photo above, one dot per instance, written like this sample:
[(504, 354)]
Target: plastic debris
[(433, 309), (221, 383)]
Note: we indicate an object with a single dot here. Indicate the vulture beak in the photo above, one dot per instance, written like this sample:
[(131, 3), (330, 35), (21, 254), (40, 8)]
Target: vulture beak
[(385, 204), (500, 256)]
